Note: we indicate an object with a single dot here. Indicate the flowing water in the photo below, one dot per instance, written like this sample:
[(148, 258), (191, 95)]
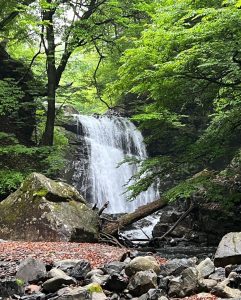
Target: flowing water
[(109, 140)]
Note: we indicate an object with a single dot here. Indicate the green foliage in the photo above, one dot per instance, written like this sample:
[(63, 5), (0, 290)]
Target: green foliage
[(187, 64), (208, 187), (41, 193), (47, 160), (94, 288), (10, 94), (7, 139), (10, 181), (20, 282)]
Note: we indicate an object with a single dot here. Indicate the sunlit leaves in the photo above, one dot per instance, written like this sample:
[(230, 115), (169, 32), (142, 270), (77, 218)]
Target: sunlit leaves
[(188, 63)]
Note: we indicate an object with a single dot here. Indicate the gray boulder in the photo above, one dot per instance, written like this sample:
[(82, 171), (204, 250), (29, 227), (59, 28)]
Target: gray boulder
[(229, 250), (142, 282), (207, 284), (56, 273), (45, 210), (78, 293), (142, 263), (205, 268), (94, 272), (54, 284), (77, 268), (114, 267), (223, 289), (81, 269), (100, 279), (98, 296), (153, 294), (31, 270), (37, 296), (190, 281), (116, 283), (184, 285), (176, 266), (175, 287), (218, 275), (66, 265)]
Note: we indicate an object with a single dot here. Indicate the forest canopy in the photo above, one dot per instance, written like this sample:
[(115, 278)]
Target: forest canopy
[(174, 67)]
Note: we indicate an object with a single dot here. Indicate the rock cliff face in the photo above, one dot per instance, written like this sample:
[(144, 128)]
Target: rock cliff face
[(76, 154), (46, 210), (204, 226)]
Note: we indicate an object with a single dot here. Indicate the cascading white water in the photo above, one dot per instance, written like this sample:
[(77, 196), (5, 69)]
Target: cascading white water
[(109, 140)]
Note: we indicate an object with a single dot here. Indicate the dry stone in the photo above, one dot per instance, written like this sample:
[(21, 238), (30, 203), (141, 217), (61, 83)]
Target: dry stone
[(185, 284), (142, 263), (142, 282), (205, 268), (45, 210), (176, 266), (190, 281), (79, 293), (224, 291), (56, 273), (229, 250), (207, 284), (54, 284), (31, 270)]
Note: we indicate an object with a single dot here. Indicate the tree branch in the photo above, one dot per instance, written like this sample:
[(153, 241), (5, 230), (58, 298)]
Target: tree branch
[(8, 19), (183, 216), (31, 63), (101, 57)]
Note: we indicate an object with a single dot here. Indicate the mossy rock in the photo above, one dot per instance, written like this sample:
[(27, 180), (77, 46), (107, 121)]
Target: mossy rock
[(46, 210)]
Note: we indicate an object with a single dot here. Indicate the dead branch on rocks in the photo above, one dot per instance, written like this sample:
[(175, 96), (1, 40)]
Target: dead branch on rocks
[(183, 216), (109, 239)]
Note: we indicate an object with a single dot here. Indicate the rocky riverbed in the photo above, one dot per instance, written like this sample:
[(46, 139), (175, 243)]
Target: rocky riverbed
[(61, 271)]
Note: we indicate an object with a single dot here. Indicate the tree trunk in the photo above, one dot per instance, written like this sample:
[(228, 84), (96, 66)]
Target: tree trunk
[(48, 135), (138, 214)]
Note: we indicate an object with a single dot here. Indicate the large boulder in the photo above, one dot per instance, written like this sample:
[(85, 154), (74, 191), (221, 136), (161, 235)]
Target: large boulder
[(142, 263), (176, 266), (229, 250), (74, 267), (205, 268), (185, 284), (142, 282), (45, 210), (31, 270)]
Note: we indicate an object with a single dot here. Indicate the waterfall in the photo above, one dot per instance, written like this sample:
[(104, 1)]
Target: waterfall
[(108, 141)]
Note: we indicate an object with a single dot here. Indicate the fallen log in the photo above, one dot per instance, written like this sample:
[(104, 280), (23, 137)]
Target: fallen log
[(140, 213)]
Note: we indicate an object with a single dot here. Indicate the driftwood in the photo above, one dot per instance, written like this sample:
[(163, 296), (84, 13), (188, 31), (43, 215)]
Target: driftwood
[(109, 239), (106, 204), (100, 211), (138, 214)]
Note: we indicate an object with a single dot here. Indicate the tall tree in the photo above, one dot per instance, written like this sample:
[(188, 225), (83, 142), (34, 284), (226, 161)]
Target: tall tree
[(85, 22), (188, 63)]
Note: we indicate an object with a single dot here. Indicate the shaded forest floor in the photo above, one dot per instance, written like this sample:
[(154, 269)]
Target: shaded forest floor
[(11, 253)]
